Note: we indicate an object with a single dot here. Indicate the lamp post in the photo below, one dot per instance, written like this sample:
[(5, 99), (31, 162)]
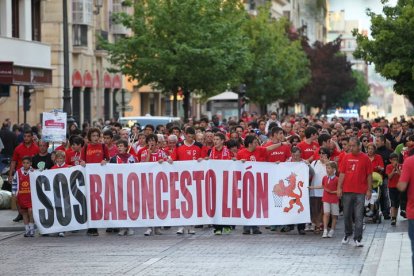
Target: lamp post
[(67, 98)]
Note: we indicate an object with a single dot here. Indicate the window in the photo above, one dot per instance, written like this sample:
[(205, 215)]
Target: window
[(80, 35), (36, 25), (82, 12)]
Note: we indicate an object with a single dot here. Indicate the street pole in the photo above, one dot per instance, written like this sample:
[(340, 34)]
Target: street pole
[(67, 105)]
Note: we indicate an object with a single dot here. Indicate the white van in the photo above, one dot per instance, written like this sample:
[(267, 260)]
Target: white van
[(148, 120), (345, 114)]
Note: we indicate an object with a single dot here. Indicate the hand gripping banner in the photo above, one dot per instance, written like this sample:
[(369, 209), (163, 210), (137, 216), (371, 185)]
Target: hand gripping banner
[(178, 194)]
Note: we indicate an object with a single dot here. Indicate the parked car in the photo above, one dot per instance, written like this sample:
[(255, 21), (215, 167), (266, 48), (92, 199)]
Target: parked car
[(148, 120)]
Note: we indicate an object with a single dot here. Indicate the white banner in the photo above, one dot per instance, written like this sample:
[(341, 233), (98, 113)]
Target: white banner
[(54, 127), (178, 194)]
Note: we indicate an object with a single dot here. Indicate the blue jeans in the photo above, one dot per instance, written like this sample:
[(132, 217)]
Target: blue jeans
[(411, 235)]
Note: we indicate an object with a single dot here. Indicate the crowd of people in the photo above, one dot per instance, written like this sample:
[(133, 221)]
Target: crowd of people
[(353, 164)]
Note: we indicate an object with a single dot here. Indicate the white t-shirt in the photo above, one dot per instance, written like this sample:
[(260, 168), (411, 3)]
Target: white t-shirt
[(320, 172)]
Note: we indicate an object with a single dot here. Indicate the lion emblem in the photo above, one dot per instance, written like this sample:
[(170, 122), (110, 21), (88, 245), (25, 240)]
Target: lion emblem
[(280, 190)]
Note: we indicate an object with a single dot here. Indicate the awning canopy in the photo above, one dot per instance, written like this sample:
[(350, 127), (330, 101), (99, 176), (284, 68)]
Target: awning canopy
[(227, 95)]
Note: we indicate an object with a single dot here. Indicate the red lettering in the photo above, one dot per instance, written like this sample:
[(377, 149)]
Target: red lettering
[(133, 196), (211, 193), (198, 176), (236, 211), (161, 180), (95, 197), (225, 209), (185, 180), (110, 203), (122, 214), (248, 194), (262, 201), (147, 196), (175, 213)]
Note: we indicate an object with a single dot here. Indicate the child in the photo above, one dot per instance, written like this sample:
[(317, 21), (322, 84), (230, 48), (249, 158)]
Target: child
[(330, 199), (73, 154), (60, 158), (21, 188), (393, 172)]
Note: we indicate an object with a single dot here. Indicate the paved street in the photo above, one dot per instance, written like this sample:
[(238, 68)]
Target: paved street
[(205, 254)]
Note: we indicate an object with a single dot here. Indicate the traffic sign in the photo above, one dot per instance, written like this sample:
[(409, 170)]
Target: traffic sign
[(127, 96), (127, 108)]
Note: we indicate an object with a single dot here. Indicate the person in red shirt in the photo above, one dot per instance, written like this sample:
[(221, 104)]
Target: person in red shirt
[(330, 199), (406, 183), (282, 152), (309, 145), (152, 152), (73, 154), (172, 141), (345, 150), (21, 189), (354, 186), (189, 149), (376, 159), (393, 171), (94, 152), (253, 152), (108, 138), (60, 159), (26, 148), (219, 151), (124, 134)]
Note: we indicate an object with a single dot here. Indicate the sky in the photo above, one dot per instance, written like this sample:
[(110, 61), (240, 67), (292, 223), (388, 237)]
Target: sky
[(356, 9)]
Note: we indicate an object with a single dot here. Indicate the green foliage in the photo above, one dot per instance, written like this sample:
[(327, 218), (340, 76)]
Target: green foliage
[(391, 47), (194, 44), (359, 94), (280, 67)]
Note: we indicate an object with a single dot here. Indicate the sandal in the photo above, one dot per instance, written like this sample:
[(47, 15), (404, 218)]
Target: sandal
[(317, 230)]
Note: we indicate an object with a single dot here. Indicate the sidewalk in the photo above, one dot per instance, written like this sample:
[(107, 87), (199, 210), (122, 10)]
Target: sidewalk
[(6, 221), (396, 256)]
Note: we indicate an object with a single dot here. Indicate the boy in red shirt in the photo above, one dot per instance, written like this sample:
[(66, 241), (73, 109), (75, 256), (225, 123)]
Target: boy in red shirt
[(393, 172), (330, 199), (152, 152), (309, 145), (94, 152), (73, 154), (282, 152), (21, 189), (189, 149), (109, 143)]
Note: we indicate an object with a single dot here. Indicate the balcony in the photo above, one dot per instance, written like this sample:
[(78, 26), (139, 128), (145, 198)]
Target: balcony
[(25, 53)]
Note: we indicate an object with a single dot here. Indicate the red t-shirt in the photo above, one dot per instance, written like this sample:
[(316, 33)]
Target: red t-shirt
[(407, 175), (223, 154), (60, 167), (332, 185), (113, 150), (73, 157), (259, 154), (356, 169), (184, 152), (281, 154), (155, 156), (21, 151), (377, 162), (205, 150), (94, 153), (392, 182), (307, 150)]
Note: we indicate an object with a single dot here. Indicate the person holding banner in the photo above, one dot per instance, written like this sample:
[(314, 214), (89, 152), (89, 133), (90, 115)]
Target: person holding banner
[(123, 157), (253, 152), (219, 152), (21, 189), (73, 154), (94, 152)]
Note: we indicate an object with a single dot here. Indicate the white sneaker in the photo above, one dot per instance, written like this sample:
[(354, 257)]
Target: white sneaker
[(358, 243), (122, 232), (148, 232), (331, 233), (325, 233), (180, 231), (191, 231), (345, 240), (62, 234), (308, 227), (130, 232)]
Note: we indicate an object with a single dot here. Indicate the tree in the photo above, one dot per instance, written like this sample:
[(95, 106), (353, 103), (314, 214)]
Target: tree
[(391, 47), (359, 94), (192, 45), (280, 67), (331, 75)]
